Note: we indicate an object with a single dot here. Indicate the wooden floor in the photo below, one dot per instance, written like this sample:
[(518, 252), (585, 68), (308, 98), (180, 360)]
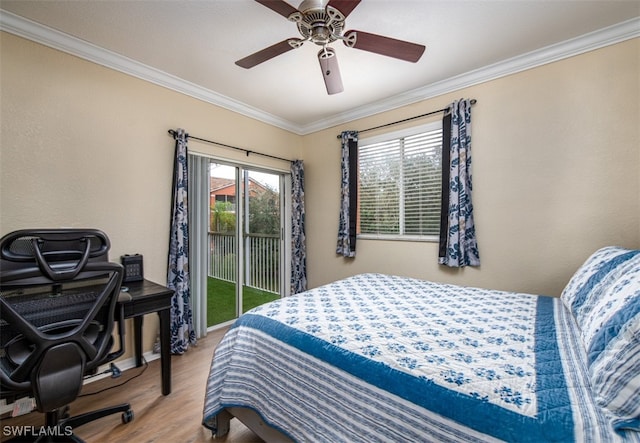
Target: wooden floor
[(157, 418)]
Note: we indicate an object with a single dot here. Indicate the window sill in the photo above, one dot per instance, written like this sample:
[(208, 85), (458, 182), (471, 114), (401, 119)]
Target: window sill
[(410, 238)]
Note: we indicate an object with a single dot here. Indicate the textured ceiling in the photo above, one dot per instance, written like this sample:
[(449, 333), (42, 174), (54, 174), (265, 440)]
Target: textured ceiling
[(198, 42)]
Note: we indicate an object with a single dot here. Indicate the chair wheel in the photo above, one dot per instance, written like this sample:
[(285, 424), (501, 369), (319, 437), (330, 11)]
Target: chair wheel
[(127, 416)]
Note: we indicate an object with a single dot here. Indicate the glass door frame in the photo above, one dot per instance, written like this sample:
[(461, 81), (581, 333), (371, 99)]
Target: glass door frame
[(241, 170)]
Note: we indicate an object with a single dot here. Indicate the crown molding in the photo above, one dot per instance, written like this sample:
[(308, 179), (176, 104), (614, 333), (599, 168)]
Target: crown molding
[(53, 38), (588, 42), (36, 32)]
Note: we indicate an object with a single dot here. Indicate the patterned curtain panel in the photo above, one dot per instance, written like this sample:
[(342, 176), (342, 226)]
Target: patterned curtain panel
[(458, 246), (348, 195), (182, 333), (198, 177), (298, 240)]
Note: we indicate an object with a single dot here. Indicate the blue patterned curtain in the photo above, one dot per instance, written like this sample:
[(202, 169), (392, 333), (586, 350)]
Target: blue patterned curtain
[(348, 195), (298, 240), (182, 333), (458, 245)]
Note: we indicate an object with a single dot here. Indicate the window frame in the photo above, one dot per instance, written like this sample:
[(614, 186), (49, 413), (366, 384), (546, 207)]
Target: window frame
[(399, 134)]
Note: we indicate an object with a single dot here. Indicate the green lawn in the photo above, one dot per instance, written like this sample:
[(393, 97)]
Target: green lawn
[(221, 300)]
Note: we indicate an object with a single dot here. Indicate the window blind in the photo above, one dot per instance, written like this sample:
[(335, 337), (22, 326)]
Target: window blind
[(400, 185)]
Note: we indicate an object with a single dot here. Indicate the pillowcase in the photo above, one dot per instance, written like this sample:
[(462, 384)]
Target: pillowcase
[(594, 277), (610, 329)]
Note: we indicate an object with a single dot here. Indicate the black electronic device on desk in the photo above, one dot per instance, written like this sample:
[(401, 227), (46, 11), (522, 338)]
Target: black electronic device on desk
[(133, 270)]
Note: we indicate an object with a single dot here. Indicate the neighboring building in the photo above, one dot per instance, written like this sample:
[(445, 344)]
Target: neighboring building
[(224, 190)]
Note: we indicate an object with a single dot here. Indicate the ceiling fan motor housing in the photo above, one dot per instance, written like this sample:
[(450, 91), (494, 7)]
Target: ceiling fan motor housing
[(319, 23)]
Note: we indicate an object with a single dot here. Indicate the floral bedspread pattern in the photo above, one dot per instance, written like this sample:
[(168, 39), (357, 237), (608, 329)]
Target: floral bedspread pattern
[(470, 340), (418, 360)]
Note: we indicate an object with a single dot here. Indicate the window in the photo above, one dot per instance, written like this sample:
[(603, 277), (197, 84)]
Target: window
[(400, 184)]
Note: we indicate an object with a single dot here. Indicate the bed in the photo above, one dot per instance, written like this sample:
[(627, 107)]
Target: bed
[(386, 358)]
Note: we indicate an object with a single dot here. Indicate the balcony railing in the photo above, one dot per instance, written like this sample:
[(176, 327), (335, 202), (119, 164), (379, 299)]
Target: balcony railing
[(262, 267), (222, 256)]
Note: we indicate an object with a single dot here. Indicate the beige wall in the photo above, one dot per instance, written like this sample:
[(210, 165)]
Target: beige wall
[(86, 146), (556, 154), (555, 174)]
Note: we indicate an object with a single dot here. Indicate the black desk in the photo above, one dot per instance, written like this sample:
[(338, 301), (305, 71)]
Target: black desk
[(148, 297)]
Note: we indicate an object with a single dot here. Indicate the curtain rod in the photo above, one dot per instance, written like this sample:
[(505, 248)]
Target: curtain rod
[(473, 102), (247, 151)]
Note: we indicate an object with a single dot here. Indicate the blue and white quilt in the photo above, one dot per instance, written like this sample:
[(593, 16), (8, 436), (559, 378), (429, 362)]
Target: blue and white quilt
[(384, 358)]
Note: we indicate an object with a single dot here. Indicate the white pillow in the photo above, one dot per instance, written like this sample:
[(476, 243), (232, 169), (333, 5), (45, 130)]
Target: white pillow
[(605, 300), (595, 275)]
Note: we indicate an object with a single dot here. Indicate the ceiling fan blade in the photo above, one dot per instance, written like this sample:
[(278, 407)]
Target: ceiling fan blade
[(281, 7), (268, 53), (330, 70), (388, 46), (344, 6)]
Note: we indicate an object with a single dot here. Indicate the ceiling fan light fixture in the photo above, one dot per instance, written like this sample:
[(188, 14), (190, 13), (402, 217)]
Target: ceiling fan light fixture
[(320, 35), (330, 70)]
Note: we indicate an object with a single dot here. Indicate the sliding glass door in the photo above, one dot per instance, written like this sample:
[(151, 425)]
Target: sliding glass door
[(245, 240), (223, 245), (262, 238)]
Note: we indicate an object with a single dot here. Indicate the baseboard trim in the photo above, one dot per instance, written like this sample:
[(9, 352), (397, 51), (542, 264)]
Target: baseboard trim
[(123, 365)]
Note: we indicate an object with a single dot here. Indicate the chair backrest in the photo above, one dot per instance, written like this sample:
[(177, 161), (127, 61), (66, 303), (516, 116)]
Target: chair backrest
[(58, 294), (41, 256)]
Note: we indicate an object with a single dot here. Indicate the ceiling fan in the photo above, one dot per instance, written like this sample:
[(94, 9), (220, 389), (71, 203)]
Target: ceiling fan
[(322, 23)]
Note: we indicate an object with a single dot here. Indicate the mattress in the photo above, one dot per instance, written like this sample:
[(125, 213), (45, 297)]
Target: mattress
[(385, 358)]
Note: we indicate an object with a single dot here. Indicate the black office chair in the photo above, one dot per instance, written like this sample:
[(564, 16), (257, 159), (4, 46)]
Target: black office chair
[(58, 295)]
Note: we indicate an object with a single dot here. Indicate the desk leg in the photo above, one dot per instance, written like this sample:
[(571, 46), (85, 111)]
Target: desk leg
[(137, 337), (165, 350)]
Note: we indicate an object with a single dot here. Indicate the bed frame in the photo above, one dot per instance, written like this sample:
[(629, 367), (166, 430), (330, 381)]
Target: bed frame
[(252, 420)]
